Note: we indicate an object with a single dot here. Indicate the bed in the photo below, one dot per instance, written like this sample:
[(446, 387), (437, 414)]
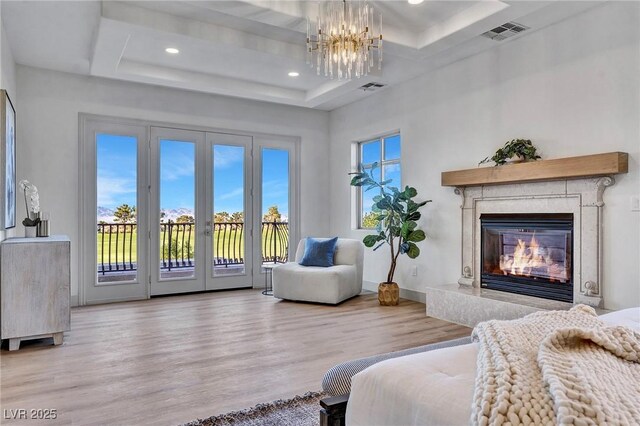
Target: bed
[(430, 388)]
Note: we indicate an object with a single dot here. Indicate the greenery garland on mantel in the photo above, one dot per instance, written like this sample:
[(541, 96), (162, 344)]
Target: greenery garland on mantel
[(522, 149)]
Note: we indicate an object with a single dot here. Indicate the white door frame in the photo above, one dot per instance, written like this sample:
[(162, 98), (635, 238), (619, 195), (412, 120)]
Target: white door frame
[(292, 146), (159, 286), (87, 255), (240, 280), (89, 290)]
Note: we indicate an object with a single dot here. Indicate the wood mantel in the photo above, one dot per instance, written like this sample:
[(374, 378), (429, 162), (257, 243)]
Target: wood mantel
[(561, 168)]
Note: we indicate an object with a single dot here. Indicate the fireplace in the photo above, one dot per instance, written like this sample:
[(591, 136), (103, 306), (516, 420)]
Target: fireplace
[(529, 254)]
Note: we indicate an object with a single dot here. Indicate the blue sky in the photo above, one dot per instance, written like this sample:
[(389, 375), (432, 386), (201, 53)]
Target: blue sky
[(177, 175), (275, 180), (116, 162), (371, 153), (116, 159)]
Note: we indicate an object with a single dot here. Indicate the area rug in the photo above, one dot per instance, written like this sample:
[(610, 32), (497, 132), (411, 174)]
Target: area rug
[(298, 411)]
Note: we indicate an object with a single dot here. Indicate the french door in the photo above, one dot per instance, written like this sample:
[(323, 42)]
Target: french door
[(177, 211), (180, 211), (200, 196), (114, 210), (230, 227)]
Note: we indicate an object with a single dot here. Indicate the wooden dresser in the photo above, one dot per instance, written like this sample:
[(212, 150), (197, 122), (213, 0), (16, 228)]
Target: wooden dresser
[(35, 287)]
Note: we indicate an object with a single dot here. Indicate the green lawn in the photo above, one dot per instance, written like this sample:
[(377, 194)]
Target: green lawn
[(124, 246)]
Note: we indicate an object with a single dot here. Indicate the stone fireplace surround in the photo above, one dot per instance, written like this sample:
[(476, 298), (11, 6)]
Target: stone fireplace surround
[(466, 303)]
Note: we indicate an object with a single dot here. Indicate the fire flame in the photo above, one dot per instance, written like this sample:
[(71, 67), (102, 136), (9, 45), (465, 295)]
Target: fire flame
[(526, 258)]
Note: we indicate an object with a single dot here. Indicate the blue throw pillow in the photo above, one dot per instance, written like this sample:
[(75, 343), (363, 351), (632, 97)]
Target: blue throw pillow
[(319, 252)]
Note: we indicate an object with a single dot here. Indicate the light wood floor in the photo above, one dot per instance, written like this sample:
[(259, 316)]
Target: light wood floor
[(171, 360)]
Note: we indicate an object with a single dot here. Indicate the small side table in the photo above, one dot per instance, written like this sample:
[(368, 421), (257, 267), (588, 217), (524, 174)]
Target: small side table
[(268, 279)]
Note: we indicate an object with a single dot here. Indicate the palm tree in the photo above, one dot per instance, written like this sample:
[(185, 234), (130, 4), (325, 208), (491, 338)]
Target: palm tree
[(221, 217), (237, 217), (272, 215), (185, 218)]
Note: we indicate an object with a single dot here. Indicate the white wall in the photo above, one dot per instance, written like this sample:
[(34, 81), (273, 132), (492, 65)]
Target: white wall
[(573, 88), (8, 82), (48, 151)]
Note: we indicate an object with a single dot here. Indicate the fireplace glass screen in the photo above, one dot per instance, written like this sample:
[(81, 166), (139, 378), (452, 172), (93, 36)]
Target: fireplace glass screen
[(528, 254)]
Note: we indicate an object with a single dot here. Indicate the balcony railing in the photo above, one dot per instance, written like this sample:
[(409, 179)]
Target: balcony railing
[(117, 245), (228, 248), (176, 245)]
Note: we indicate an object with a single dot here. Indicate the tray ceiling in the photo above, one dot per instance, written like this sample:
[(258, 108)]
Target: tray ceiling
[(247, 48)]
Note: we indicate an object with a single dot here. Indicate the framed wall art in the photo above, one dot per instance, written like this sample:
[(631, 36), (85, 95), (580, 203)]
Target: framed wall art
[(8, 161)]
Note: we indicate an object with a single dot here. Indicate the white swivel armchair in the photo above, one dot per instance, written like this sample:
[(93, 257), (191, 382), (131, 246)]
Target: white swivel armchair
[(332, 285)]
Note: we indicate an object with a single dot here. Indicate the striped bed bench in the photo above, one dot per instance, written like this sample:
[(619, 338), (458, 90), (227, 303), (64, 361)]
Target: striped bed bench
[(337, 381)]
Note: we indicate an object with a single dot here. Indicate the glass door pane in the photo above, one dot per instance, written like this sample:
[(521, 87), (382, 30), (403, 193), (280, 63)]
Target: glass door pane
[(228, 246), (177, 215), (116, 213), (113, 216), (177, 209), (229, 208), (275, 205)]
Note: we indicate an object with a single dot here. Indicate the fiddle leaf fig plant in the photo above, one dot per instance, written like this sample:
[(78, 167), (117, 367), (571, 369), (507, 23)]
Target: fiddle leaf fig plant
[(397, 216), (522, 148)]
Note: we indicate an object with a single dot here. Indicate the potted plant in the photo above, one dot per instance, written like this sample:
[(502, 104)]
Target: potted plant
[(515, 150), (397, 216)]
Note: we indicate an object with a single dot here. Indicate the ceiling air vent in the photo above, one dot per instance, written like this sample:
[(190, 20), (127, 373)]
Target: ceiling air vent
[(505, 31), (370, 87)]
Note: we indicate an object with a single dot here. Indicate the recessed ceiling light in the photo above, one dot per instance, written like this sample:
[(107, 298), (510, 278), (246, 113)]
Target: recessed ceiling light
[(294, 74), (415, 1), (172, 50)]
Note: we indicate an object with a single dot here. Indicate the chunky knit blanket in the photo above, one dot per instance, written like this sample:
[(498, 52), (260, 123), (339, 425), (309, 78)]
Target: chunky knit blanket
[(557, 367)]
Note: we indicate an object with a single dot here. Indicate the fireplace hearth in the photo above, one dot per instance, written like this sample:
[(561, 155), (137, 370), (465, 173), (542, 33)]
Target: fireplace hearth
[(530, 254)]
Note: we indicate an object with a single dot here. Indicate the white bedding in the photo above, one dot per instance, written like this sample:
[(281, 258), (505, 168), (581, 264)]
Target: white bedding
[(430, 388)]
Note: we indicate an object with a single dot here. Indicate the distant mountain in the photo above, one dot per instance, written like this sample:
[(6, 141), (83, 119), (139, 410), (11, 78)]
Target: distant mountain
[(173, 214), (105, 214)]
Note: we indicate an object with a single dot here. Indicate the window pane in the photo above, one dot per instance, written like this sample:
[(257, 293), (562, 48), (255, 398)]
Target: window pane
[(177, 209), (367, 202), (371, 152), (275, 205), (228, 210), (392, 171), (117, 158), (392, 148)]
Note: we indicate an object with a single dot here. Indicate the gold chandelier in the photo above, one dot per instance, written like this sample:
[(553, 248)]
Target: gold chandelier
[(343, 41)]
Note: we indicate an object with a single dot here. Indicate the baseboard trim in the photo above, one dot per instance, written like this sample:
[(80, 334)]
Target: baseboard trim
[(416, 296), (116, 300), (74, 301), (370, 285)]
